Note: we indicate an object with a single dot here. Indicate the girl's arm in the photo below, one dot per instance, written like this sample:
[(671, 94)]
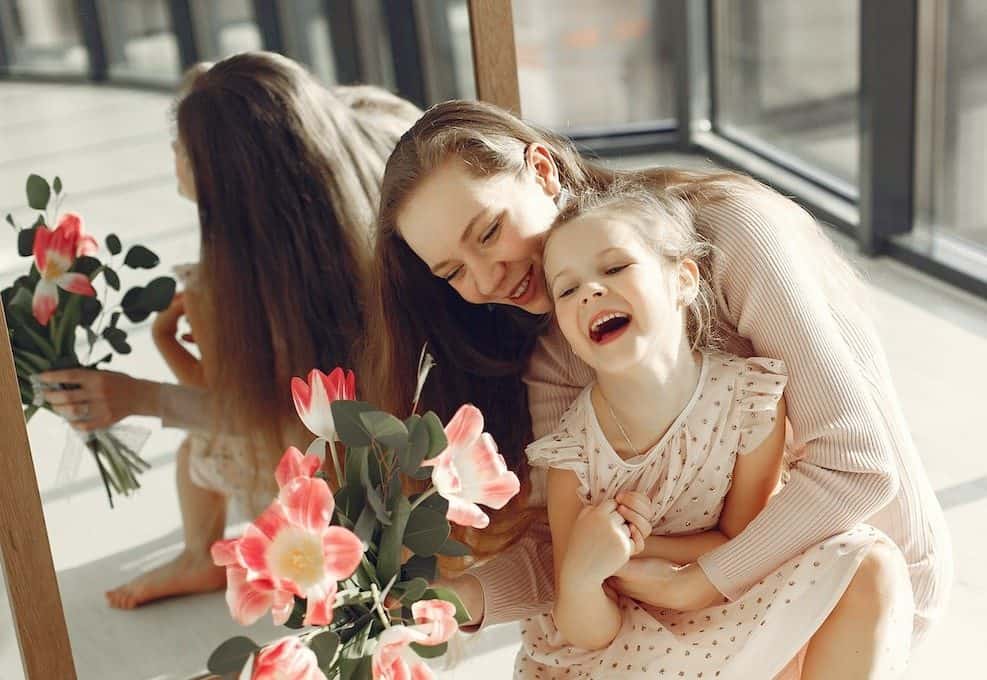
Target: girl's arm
[(579, 576), (185, 365), (658, 583)]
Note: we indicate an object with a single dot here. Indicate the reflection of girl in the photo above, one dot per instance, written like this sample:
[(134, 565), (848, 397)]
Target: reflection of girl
[(285, 175), (691, 440), (468, 196)]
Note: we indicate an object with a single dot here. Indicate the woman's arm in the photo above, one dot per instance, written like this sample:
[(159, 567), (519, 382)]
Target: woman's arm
[(779, 284)]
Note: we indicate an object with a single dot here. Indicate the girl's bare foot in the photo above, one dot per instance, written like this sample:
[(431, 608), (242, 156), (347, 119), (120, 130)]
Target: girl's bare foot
[(185, 575)]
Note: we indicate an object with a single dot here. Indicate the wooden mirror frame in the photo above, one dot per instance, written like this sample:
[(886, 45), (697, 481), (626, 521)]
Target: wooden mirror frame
[(28, 569)]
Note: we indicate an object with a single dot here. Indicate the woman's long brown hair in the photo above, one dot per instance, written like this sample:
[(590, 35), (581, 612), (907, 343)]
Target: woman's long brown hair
[(481, 352), (287, 177)]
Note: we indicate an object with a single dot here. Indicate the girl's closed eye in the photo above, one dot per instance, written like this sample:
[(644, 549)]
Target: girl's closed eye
[(566, 291), (490, 233), (617, 269)]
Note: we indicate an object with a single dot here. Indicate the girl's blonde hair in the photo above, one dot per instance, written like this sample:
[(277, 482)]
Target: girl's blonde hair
[(665, 224)]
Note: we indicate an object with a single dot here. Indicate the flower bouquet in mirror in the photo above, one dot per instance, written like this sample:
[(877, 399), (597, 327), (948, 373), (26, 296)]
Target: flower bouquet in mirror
[(353, 570), (57, 319)]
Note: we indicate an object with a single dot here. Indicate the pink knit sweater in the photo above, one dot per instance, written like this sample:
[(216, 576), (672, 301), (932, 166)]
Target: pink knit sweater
[(780, 293)]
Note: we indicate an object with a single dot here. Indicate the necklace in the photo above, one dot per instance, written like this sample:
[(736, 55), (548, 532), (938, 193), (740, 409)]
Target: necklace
[(620, 427)]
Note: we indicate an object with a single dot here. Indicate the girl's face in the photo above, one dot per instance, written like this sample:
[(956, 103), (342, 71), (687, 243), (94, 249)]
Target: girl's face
[(183, 170), (484, 235), (617, 301)]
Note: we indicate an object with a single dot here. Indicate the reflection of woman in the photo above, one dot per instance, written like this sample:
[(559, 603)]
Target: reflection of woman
[(286, 176), (467, 198)]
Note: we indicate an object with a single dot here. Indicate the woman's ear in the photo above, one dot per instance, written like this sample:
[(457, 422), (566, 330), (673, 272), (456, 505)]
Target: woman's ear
[(538, 159), (688, 281)]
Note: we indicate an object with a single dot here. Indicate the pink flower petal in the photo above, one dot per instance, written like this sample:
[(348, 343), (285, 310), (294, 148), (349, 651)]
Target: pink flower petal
[(287, 659), (224, 552), (466, 514), (252, 547), (498, 492), (76, 283), (45, 301), (247, 600), (294, 464), (308, 503), (320, 603), (464, 427), (436, 619), (343, 552), (282, 606), (42, 239), (421, 671)]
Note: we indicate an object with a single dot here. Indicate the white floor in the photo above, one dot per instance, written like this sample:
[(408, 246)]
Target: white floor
[(110, 148)]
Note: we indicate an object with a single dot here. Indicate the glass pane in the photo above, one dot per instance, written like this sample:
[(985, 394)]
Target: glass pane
[(43, 36), (621, 49), (787, 80), (308, 38), (958, 206), (226, 27), (447, 54), (139, 39)]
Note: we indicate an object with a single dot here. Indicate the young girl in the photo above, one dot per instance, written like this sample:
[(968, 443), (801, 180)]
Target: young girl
[(693, 439)]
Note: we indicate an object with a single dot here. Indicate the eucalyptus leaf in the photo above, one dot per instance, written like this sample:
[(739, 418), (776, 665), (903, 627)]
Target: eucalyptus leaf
[(117, 339), (132, 307), (453, 548), (89, 311), (232, 655), (325, 645), (437, 441), (391, 540), (113, 244), (87, 264), (412, 590), (57, 185), (349, 427), (365, 524), (139, 257), (38, 192), (427, 530), (158, 293), (430, 651), (417, 566), (412, 455), (385, 429), (10, 221), (25, 241), (112, 278), (114, 318)]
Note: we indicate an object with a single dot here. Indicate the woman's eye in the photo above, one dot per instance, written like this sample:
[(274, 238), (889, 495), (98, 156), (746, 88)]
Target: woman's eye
[(448, 278), (615, 270), (491, 232)]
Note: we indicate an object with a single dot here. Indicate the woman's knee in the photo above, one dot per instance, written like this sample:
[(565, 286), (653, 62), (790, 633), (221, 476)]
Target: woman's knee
[(874, 587)]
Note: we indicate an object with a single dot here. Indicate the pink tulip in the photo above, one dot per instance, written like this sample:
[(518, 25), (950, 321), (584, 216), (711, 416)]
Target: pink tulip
[(313, 399), (293, 464), (470, 471), (54, 254), (290, 549), (435, 623), (287, 659)]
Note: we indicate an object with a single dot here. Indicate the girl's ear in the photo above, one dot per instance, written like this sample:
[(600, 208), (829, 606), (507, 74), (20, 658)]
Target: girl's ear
[(688, 281), (539, 160)]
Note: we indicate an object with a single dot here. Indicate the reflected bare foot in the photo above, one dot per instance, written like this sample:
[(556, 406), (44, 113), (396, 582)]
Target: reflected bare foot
[(185, 575)]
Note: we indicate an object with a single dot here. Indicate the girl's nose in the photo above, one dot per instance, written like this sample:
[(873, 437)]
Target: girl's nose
[(596, 293)]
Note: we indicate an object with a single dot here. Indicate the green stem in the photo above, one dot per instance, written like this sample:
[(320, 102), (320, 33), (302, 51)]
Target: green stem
[(421, 499), (340, 481)]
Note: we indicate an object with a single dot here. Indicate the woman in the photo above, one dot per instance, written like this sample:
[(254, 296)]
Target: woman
[(467, 197), (286, 176)]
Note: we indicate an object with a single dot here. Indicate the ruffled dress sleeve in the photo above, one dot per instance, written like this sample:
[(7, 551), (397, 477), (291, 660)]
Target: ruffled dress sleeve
[(565, 449), (759, 387)]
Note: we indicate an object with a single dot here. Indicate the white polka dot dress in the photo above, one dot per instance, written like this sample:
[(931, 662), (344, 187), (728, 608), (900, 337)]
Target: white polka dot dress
[(687, 476)]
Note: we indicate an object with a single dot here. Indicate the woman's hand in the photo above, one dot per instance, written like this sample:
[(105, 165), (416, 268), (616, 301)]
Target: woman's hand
[(165, 324), (101, 399), (635, 508), (599, 545), (661, 583)]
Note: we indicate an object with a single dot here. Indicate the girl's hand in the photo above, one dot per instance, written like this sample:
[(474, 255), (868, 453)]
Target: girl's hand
[(635, 508), (100, 399), (599, 545)]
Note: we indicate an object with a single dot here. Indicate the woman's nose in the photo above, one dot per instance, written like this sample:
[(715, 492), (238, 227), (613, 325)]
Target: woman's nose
[(488, 277)]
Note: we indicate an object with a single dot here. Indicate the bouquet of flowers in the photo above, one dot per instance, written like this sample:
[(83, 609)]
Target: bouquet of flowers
[(354, 569), (46, 308)]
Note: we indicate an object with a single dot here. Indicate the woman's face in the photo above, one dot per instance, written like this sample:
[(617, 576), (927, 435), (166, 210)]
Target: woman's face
[(183, 170), (484, 235)]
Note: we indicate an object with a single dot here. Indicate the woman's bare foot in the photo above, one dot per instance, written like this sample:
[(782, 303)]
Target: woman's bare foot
[(185, 575)]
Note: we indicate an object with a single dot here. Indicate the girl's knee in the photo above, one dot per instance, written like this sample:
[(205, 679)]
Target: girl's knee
[(875, 585)]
